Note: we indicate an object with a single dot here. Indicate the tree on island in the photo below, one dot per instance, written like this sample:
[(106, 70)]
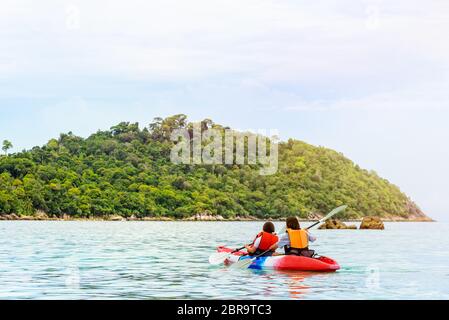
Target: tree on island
[(127, 171), (6, 146)]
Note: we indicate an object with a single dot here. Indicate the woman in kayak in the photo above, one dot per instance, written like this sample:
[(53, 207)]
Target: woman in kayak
[(296, 240), (265, 241)]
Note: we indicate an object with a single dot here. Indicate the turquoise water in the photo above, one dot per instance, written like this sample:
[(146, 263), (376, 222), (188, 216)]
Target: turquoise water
[(169, 260)]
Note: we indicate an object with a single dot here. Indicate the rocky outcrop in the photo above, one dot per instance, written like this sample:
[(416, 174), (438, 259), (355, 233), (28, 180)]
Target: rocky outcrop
[(156, 219), (415, 213), (9, 217), (245, 218), (40, 215), (116, 218), (205, 217), (336, 224), (374, 223)]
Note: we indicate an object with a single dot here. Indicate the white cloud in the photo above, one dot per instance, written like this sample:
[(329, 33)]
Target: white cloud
[(429, 97), (269, 41)]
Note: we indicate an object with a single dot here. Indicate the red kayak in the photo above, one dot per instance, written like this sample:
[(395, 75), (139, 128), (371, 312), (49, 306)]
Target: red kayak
[(283, 262)]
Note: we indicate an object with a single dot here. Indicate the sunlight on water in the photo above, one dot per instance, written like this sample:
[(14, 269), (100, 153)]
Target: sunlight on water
[(169, 260)]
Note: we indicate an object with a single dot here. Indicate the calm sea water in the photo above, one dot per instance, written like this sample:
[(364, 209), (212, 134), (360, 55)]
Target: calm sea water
[(169, 260)]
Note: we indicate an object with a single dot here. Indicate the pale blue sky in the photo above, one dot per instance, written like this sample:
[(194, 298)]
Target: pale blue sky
[(367, 78)]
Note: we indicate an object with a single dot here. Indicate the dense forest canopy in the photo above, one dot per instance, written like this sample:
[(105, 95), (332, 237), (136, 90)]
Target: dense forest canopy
[(127, 171)]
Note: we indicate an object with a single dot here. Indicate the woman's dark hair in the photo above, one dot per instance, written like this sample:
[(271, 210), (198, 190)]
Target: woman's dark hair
[(268, 227), (293, 223)]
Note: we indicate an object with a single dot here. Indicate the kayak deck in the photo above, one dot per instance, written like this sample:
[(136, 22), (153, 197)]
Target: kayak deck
[(283, 262)]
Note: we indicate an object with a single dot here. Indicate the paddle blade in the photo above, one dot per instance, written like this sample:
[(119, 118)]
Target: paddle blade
[(242, 264), (334, 212), (218, 258)]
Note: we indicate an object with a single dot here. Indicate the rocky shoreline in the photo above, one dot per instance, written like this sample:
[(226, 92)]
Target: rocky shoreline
[(41, 216)]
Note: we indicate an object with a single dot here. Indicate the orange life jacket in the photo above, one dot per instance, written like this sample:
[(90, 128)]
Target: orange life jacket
[(299, 239), (267, 240)]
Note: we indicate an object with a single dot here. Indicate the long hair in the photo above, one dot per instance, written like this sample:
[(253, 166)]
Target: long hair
[(293, 223)]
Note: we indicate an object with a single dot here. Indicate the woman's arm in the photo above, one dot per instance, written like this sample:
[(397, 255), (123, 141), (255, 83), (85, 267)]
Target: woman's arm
[(250, 249), (311, 237), (284, 241), (253, 248)]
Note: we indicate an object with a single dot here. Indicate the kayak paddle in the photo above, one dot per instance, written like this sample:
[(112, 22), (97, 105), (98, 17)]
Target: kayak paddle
[(220, 257), (242, 264), (330, 215)]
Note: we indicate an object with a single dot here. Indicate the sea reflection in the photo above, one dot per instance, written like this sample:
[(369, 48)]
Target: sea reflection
[(297, 284)]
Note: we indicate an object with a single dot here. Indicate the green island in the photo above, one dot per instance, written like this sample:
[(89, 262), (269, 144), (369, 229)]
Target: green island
[(126, 172)]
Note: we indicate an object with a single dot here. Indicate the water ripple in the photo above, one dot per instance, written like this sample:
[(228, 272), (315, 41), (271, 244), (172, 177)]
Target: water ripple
[(168, 260)]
